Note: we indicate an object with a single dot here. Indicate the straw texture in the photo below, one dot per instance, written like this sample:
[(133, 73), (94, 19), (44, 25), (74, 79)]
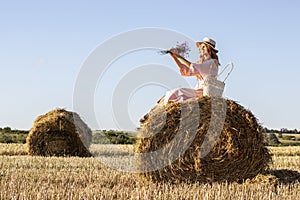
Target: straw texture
[(59, 133), (237, 153)]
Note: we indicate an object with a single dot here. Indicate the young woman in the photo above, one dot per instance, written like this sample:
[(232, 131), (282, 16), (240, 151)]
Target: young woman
[(207, 66)]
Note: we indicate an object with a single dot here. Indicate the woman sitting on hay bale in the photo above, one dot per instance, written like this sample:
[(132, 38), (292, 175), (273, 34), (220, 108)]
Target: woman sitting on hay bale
[(222, 140), (207, 66)]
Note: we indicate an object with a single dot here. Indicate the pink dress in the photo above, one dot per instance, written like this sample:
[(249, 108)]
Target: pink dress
[(207, 68)]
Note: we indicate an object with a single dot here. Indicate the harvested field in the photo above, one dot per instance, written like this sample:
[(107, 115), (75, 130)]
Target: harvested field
[(36, 177)]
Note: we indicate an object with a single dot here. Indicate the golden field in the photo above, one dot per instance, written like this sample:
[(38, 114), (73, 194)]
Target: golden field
[(27, 177)]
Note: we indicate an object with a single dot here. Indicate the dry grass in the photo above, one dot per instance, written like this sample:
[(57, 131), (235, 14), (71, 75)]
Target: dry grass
[(110, 149), (27, 177), (285, 151), (96, 149), (13, 149)]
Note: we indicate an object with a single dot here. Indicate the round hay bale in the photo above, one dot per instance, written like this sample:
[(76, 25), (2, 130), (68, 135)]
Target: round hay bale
[(59, 133), (270, 139), (236, 153)]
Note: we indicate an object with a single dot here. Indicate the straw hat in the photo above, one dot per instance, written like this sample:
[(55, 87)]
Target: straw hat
[(208, 41)]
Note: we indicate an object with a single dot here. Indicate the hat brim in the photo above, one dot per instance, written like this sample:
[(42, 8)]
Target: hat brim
[(199, 43)]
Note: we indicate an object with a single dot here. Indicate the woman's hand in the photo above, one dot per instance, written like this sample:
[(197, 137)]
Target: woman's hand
[(180, 61), (173, 51)]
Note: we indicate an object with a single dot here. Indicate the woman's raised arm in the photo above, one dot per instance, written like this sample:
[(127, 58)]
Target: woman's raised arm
[(180, 61)]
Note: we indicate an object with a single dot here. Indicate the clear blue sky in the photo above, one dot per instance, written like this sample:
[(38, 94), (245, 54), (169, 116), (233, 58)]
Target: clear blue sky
[(44, 43)]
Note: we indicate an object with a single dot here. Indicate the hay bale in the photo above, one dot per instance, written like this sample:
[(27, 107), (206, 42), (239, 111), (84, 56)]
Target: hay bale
[(271, 139), (238, 152), (59, 133)]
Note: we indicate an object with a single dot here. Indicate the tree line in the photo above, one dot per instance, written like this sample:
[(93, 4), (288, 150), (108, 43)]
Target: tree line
[(282, 130), (8, 135)]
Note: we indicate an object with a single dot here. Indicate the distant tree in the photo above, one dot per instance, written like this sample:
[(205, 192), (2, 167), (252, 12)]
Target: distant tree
[(295, 130), (6, 129), (112, 136), (284, 130)]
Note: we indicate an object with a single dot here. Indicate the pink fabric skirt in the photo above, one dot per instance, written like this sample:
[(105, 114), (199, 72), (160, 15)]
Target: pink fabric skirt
[(180, 94)]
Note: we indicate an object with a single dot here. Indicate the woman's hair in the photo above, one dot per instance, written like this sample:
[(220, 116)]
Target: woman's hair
[(212, 52)]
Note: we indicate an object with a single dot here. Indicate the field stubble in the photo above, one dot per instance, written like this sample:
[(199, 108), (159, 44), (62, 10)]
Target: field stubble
[(27, 177)]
